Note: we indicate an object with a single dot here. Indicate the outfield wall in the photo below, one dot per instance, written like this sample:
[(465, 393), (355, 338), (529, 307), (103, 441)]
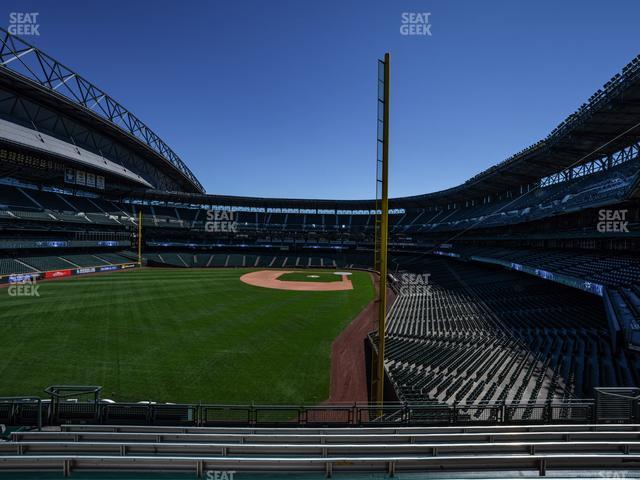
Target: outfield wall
[(71, 272)]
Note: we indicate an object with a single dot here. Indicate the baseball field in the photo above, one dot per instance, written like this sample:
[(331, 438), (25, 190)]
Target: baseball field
[(176, 335)]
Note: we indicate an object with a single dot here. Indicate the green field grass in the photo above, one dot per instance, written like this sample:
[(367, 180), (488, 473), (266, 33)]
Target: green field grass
[(175, 336), (307, 276)]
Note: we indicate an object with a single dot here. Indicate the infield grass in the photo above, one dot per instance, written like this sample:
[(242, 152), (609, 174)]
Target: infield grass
[(310, 276), (175, 335)]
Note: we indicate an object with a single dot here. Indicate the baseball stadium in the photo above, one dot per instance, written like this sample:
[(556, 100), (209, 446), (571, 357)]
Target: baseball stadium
[(151, 329)]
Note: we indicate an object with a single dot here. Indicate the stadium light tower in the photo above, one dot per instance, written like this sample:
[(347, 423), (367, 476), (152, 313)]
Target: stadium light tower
[(382, 219)]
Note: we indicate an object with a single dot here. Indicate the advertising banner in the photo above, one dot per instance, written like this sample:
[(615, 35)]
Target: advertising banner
[(82, 271), (23, 277), (57, 274)]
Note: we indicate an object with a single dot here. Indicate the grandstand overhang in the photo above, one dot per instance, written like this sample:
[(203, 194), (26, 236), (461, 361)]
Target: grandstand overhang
[(606, 124), (13, 134), (255, 202), (44, 85), (64, 106)]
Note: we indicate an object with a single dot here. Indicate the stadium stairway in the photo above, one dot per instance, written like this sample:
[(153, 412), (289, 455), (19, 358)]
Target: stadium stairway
[(524, 448)]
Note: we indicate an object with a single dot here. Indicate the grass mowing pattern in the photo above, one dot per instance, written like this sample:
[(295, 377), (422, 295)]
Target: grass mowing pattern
[(173, 335), (304, 277)]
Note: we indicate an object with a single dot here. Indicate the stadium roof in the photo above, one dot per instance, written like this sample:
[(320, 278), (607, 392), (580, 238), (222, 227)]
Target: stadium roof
[(608, 122), (605, 124), (37, 74)]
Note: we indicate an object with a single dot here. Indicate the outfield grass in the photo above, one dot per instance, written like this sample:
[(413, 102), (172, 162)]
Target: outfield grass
[(175, 335), (308, 276)]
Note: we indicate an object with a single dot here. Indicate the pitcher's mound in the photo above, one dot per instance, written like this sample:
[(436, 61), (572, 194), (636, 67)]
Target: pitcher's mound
[(269, 279)]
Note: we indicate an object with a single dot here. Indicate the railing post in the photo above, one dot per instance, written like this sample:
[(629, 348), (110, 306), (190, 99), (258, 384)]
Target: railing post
[(96, 413), (548, 412), (542, 467)]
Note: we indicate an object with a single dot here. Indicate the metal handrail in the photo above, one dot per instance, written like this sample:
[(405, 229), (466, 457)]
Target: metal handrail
[(19, 400), (346, 414)]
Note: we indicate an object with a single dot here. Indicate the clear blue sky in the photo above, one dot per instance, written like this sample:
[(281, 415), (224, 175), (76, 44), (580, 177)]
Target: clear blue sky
[(277, 98)]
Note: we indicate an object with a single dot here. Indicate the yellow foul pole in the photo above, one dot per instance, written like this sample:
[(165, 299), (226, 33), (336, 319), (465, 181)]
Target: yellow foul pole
[(384, 238), (139, 238)]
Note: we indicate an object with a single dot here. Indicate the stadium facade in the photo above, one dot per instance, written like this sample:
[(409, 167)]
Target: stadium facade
[(536, 257)]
